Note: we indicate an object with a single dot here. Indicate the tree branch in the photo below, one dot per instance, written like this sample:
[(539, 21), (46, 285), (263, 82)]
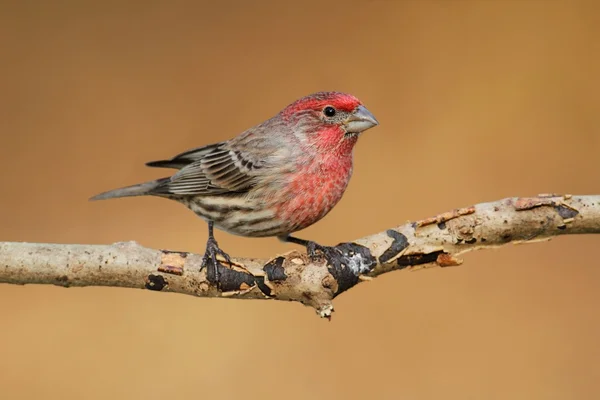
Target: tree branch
[(293, 276)]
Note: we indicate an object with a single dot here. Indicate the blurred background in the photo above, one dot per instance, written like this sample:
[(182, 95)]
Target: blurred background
[(477, 101)]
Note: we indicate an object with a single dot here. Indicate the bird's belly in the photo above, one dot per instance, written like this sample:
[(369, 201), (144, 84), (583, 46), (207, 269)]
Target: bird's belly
[(238, 216)]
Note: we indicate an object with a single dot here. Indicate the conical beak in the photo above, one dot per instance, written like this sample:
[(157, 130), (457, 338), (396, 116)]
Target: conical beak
[(360, 120)]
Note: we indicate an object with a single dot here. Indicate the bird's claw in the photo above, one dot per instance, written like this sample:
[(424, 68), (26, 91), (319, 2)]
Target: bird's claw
[(313, 249), (212, 250)]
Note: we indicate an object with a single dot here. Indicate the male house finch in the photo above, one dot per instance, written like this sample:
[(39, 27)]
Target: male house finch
[(276, 178)]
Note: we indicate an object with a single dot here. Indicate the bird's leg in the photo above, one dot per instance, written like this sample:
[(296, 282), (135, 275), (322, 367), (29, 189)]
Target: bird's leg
[(212, 249), (311, 247)]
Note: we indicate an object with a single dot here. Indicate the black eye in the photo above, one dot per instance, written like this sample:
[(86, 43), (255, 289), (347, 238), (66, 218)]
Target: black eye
[(329, 111)]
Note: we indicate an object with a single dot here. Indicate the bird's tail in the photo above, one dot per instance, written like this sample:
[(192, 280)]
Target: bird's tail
[(140, 189)]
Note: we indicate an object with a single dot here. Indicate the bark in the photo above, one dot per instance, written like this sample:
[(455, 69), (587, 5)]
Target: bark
[(436, 241)]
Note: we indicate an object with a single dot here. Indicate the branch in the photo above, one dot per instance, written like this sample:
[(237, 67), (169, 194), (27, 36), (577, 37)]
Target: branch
[(293, 276)]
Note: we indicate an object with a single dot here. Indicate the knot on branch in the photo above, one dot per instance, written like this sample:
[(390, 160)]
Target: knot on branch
[(346, 262)]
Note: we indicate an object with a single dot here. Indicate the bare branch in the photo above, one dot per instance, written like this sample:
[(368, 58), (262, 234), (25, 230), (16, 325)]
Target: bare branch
[(293, 276)]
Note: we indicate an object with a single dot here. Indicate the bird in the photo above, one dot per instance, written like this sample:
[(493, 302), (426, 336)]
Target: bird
[(271, 180)]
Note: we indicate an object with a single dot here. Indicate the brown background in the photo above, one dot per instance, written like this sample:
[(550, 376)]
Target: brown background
[(477, 101)]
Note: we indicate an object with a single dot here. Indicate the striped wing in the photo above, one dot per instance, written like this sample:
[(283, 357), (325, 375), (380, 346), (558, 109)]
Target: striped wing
[(211, 170)]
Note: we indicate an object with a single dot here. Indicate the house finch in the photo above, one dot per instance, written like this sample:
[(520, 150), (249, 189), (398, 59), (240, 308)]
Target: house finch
[(276, 178)]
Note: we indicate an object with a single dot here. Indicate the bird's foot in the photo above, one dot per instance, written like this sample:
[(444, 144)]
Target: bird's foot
[(212, 251), (316, 251), (312, 248)]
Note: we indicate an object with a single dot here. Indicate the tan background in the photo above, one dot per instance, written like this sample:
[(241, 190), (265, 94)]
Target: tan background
[(477, 101)]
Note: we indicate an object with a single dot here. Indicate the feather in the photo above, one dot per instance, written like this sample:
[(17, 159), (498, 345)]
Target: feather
[(226, 167), (187, 157), (140, 189)]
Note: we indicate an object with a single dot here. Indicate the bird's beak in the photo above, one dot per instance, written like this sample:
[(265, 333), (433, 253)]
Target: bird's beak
[(360, 120)]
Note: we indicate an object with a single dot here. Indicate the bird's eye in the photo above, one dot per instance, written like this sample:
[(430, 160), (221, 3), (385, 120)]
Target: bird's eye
[(329, 111)]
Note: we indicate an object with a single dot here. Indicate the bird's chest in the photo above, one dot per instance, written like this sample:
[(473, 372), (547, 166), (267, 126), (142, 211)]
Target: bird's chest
[(314, 191)]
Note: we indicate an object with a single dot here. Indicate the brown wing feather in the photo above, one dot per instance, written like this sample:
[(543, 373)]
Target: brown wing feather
[(211, 170)]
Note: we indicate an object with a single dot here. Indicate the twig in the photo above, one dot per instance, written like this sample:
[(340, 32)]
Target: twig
[(293, 276)]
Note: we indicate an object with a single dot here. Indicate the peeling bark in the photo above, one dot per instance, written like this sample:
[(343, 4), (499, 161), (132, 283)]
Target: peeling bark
[(435, 241)]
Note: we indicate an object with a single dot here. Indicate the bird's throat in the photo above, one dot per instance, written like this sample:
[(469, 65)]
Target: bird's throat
[(334, 141)]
